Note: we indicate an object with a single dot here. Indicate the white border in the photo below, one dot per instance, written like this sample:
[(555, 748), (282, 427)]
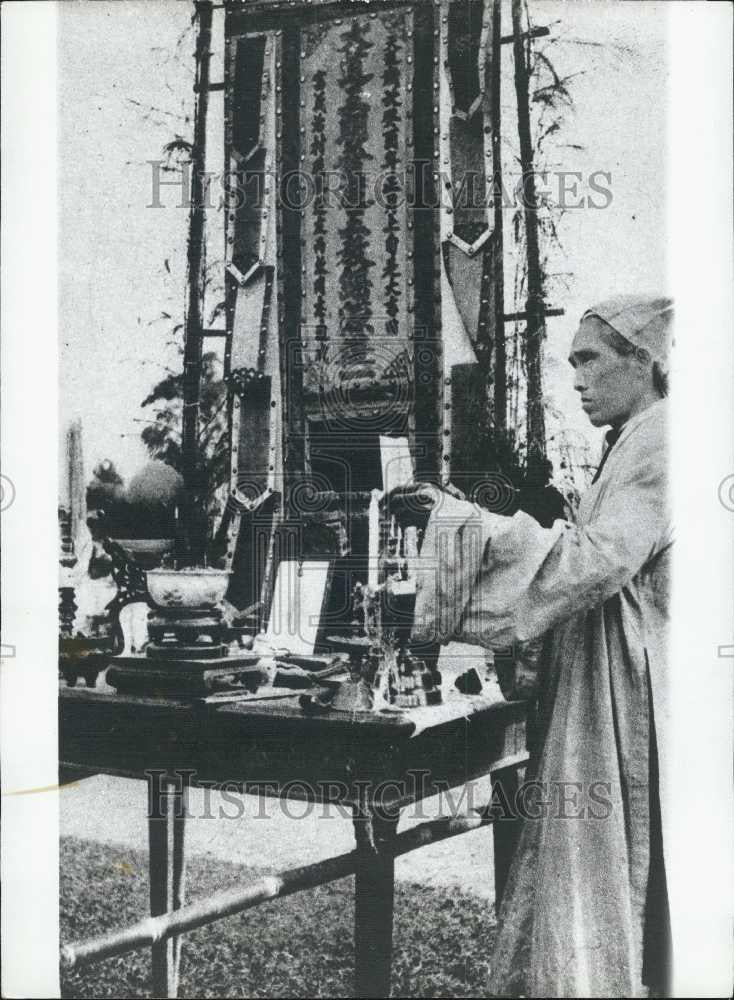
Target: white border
[(701, 277), (701, 257), (28, 680)]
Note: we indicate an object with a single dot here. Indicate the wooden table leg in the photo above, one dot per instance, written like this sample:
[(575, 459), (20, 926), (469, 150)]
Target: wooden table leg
[(505, 829), (374, 891), (167, 864)]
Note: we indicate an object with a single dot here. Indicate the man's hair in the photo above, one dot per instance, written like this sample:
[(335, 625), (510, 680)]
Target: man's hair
[(626, 348)]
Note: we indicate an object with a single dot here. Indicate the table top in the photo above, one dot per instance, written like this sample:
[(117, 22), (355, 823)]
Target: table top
[(265, 745)]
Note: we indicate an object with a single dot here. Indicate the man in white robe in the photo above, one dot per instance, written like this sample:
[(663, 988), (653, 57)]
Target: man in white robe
[(584, 913)]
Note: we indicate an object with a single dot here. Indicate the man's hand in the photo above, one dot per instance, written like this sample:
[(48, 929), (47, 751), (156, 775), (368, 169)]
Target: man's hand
[(412, 504)]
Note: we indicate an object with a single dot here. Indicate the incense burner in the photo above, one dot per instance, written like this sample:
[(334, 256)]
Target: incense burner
[(188, 589)]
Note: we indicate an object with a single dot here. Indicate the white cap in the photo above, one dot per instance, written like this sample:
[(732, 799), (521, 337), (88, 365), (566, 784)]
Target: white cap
[(644, 320)]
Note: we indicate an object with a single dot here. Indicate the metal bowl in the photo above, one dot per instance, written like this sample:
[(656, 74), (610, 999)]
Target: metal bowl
[(147, 552), (197, 589)]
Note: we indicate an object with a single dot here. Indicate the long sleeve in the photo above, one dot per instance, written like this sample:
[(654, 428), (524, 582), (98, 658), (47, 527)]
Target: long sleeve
[(529, 579), (459, 570)]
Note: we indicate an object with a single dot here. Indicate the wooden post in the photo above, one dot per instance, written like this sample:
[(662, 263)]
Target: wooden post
[(505, 831), (535, 328), (374, 893), (194, 535), (498, 276), (167, 870)]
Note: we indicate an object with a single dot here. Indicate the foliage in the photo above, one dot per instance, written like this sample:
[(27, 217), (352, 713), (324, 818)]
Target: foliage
[(106, 492), (551, 109), (300, 946), (106, 487), (162, 435), (143, 509)]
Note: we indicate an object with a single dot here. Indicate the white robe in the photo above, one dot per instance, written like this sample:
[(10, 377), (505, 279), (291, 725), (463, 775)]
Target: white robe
[(573, 914)]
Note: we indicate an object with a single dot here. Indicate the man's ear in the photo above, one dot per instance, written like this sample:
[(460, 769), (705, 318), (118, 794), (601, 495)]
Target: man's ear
[(642, 363)]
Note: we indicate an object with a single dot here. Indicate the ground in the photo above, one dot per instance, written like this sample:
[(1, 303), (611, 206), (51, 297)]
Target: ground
[(300, 946)]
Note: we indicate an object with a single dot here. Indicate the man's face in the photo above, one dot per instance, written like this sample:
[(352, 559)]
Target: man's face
[(611, 386)]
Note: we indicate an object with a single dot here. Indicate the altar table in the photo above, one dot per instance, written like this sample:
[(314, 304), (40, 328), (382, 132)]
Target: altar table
[(376, 764)]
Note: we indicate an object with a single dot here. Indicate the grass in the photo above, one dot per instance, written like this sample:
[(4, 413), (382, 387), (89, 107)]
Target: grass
[(300, 946)]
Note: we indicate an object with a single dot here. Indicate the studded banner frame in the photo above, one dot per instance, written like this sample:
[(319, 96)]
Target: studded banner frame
[(359, 241)]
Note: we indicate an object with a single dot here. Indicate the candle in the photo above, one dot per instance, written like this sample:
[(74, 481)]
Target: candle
[(373, 539)]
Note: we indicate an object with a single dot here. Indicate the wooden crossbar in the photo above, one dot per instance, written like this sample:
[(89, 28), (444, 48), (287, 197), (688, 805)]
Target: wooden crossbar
[(154, 930)]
